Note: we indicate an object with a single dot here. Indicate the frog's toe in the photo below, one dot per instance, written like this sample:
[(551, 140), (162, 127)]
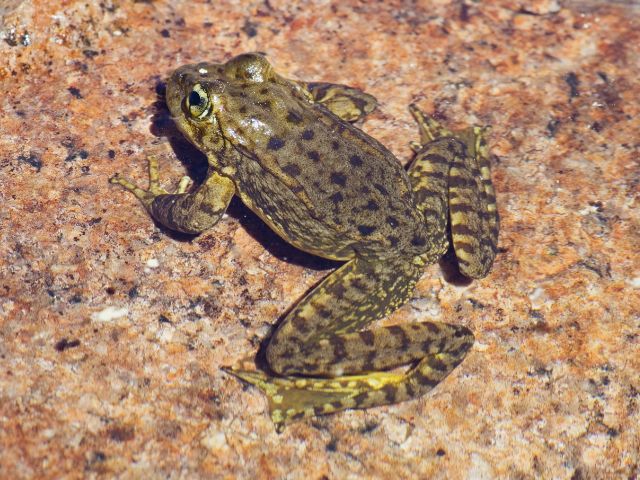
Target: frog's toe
[(145, 196), (430, 129)]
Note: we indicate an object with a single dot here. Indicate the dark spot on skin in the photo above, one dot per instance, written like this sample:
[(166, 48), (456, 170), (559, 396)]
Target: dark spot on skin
[(336, 197), (292, 169), (460, 182), (339, 348), (243, 109), (366, 190), (422, 379), (381, 189), (437, 364), (338, 178), (275, 143), (358, 284), (355, 160), (371, 361), (461, 351), (392, 221), (300, 324), (373, 206), (432, 327), (111, 154), (335, 145), (389, 393), (462, 230), (324, 313), (294, 117), (366, 229), (367, 337), (307, 135), (409, 389), (435, 158), (462, 332), (418, 241), (165, 33), (393, 241), (399, 332), (339, 290), (313, 155), (264, 91)]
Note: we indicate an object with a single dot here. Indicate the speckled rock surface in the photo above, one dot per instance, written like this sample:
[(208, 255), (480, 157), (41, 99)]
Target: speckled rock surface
[(113, 331)]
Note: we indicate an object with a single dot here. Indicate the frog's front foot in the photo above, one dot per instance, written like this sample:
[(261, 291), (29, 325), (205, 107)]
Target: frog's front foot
[(148, 196)]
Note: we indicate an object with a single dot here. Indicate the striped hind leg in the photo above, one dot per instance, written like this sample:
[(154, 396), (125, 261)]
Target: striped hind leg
[(451, 179), (330, 360)]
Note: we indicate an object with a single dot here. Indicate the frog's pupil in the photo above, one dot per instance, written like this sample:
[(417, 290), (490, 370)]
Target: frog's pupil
[(195, 99)]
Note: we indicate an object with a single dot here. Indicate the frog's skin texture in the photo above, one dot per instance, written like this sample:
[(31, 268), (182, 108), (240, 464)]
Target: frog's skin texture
[(288, 150)]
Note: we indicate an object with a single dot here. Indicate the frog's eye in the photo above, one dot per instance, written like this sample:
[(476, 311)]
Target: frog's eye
[(198, 102)]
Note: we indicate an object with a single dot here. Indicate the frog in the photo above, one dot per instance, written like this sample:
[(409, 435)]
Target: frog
[(292, 152)]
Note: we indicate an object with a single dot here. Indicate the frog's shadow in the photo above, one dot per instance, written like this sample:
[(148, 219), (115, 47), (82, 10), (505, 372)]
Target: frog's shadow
[(195, 162)]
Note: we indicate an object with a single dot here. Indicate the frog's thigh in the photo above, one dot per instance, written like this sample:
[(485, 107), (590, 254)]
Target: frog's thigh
[(348, 103), (322, 337), (451, 174)]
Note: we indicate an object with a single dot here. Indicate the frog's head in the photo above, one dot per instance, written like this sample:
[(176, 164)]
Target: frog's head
[(197, 96)]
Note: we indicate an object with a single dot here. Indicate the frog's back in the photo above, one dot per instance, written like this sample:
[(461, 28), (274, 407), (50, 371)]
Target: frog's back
[(347, 185)]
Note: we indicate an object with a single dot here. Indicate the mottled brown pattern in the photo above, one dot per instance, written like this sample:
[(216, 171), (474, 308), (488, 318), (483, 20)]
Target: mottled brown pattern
[(550, 387), (287, 150)]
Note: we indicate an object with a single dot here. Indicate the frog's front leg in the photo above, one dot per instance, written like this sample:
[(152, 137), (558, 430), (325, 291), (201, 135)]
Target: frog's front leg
[(192, 212), (348, 103), (329, 363)]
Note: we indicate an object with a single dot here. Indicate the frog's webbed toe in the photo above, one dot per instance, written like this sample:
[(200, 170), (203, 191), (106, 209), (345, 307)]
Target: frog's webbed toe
[(182, 211), (451, 179), (154, 190)]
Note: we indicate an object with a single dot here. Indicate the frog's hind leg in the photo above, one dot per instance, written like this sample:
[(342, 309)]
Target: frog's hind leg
[(349, 103), (451, 179), (329, 363), (182, 211)]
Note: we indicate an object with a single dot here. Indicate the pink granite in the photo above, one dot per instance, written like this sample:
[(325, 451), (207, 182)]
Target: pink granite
[(113, 331)]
